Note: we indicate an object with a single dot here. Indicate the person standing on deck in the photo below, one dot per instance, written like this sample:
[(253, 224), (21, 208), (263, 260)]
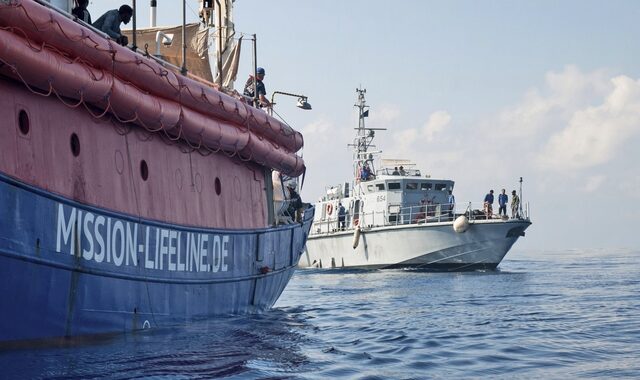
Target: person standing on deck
[(515, 205), (342, 216), (503, 199), (488, 204), (451, 200), (109, 23)]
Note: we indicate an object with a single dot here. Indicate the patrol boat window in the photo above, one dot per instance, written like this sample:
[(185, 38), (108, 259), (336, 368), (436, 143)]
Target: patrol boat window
[(380, 186), (441, 186), (412, 186), (394, 186), (370, 188), (425, 186)]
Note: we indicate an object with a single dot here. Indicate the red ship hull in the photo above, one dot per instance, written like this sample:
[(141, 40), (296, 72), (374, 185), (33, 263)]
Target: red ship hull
[(131, 197)]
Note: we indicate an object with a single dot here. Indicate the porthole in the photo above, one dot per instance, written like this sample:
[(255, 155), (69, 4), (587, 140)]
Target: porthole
[(75, 145), (144, 170), (218, 186), (23, 122)]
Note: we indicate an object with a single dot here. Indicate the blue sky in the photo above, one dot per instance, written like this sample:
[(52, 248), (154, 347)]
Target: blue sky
[(481, 92)]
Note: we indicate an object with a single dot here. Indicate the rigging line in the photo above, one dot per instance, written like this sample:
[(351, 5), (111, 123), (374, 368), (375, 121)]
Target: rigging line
[(244, 33), (193, 11), (281, 118)]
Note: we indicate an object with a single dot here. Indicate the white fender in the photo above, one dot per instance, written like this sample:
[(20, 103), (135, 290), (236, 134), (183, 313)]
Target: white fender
[(356, 237), (461, 224)]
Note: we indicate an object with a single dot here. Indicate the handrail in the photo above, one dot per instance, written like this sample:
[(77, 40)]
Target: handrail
[(419, 214), (160, 61)]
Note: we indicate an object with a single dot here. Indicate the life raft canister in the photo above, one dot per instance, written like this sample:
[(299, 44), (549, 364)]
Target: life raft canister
[(329, 208)]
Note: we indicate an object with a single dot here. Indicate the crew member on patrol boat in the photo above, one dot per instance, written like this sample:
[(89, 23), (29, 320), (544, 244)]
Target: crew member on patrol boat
[(488, 204), (342, 216)]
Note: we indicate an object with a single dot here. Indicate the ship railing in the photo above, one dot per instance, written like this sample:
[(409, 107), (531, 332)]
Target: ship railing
[(425, 213), (406, 215), (481, 211), (45, 3), (420, 214), (160, 61), (405, 172)]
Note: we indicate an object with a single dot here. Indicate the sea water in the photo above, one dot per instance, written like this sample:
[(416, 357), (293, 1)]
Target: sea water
[(545, 315)]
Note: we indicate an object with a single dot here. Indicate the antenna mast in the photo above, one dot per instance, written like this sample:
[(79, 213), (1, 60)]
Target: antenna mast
[(363, 142)]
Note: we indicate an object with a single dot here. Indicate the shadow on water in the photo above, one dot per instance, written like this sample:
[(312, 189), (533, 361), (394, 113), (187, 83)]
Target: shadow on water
[(571, 315), (337, 270), (255, 346)]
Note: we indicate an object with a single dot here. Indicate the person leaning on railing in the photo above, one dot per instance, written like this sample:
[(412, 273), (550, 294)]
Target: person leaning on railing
[(109, 23), (296, 206), (260, 88)]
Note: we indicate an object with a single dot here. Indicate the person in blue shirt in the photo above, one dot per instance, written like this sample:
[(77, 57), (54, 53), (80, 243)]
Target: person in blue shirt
[(366, 174), (488, 204), (109, 23), (503, 199), (451, 203)]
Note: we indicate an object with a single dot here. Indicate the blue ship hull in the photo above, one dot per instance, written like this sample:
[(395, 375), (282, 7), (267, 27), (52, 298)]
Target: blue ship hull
[(67, 269)]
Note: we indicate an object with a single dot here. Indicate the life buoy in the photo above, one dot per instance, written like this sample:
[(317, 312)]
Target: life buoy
[(329, 208), (356, 222)]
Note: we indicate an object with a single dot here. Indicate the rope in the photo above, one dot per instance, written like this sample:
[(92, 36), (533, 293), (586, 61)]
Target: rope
[(122, 124)]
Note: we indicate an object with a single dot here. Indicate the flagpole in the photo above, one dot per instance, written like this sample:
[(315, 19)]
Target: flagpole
[(219, 27), (183, 69)]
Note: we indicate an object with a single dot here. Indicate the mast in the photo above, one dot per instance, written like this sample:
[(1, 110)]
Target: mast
[(360, 144), (364, 138), (183, 69)]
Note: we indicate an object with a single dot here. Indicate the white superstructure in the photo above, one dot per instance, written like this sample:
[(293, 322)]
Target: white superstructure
[(396, 216)]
